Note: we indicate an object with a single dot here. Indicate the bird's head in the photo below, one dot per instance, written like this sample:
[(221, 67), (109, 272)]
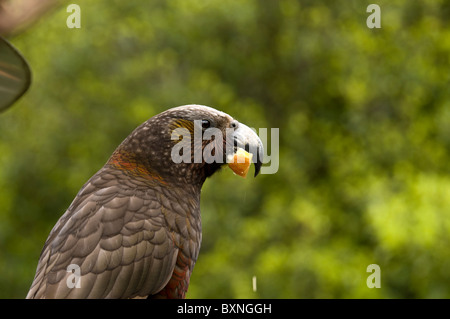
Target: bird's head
[(187, 144)]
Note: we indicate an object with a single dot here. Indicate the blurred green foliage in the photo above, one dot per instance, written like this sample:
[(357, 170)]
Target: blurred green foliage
[(364, 119)]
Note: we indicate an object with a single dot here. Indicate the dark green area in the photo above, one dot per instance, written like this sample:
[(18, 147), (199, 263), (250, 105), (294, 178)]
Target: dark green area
[(364, 124)]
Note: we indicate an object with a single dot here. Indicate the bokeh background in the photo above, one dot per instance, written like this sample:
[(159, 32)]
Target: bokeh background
[(364, 134)]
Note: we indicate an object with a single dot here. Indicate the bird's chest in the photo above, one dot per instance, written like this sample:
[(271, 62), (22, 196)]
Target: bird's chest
[(186, 235), (182, 221)]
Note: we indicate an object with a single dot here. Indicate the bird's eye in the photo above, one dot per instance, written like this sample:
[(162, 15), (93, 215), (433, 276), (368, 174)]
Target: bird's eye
[(206, 123)]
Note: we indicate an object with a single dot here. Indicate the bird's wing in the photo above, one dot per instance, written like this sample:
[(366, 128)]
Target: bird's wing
[(117, 237)]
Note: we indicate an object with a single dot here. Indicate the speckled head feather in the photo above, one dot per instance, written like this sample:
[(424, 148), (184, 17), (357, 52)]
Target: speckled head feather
[(150, 145)]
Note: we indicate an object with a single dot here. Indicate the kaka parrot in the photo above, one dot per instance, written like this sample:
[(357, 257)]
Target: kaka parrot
[(134, 228)]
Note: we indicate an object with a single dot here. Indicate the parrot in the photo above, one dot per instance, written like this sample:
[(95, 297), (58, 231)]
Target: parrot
[(134, 228)]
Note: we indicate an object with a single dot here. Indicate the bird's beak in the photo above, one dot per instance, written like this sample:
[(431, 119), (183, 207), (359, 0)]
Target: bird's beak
[(247, 149)]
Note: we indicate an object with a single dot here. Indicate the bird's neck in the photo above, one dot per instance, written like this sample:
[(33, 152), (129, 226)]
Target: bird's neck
[(181, 175), (128, 163)]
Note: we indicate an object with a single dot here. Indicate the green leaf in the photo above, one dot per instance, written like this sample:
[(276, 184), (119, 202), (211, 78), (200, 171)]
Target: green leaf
[(15, 75)]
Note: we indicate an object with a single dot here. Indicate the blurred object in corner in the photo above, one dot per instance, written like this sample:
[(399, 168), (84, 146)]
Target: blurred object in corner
[(15, 75), (18, 14)]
